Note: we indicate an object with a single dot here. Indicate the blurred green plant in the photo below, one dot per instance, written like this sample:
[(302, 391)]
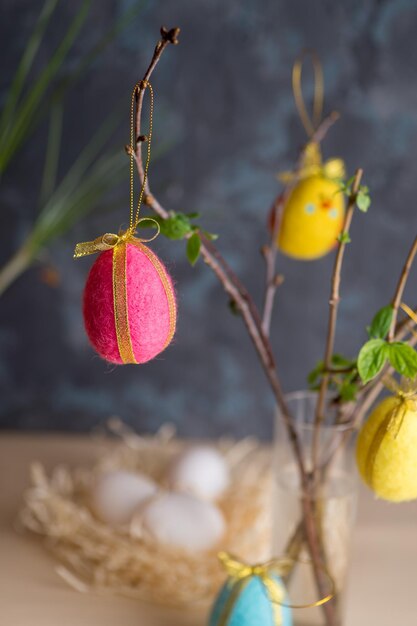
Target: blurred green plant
[(94, 173)]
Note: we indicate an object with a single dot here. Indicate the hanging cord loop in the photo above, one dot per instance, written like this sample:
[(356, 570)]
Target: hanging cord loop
[(109, 241), (310, 123), (134, 216)]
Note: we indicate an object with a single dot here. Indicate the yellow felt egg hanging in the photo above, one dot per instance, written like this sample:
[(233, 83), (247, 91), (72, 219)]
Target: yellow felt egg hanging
[(386, 450), (313, 214)]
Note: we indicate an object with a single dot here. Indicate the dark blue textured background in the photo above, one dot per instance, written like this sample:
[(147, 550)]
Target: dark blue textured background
[(224, 97)]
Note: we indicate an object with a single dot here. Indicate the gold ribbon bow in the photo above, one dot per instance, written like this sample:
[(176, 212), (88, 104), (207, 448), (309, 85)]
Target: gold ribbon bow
[(406, 400), (108, 241), (240, 574)]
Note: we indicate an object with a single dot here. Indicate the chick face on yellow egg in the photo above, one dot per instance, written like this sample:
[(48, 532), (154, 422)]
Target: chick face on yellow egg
[(312, 218)]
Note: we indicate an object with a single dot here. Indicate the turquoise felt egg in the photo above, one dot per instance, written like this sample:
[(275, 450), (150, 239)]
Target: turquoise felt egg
[(251, 608)]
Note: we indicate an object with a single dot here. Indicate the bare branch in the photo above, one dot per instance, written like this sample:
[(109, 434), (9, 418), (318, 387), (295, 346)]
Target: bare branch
[(396, 301), (335, 297)]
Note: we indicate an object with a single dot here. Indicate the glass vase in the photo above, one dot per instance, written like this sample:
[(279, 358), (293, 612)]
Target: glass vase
[(333, 499)]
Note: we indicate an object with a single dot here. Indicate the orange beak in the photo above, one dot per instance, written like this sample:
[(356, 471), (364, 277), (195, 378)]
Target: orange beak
[(326, 204)]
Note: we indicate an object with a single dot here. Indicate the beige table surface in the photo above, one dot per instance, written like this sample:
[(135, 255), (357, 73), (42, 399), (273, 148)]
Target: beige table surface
[(383, 580)]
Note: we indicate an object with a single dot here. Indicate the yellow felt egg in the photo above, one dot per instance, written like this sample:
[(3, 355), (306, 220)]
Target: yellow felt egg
[(386, 450), (312, 218)]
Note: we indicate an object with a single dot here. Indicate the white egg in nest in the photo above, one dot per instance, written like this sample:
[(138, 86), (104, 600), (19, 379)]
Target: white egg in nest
[(117, 493), (180, 520), (200, 470)]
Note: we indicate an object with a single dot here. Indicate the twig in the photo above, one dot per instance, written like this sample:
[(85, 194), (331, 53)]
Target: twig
[(269, 251), (334, 305), (396, 301), (251, 318)]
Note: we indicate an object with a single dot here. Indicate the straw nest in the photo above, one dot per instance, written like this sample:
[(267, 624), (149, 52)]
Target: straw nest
[(95, 556)]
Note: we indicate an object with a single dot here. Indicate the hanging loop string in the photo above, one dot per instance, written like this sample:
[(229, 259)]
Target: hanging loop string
[(110, 241), (310, 123), (134, 216)]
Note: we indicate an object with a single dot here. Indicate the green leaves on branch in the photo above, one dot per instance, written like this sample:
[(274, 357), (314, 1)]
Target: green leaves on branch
[(180, 226), (343, 377), (344, 238), (363, 198), (176, 226), (376, 353)]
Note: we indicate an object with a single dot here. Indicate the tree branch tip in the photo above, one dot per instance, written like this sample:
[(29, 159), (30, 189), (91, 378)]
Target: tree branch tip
[(129, 151), (142, 139), (265, 249), (358, 176), (170, 35)]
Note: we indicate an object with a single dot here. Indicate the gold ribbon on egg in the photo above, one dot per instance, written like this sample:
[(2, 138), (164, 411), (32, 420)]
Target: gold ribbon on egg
[(241, 573), (118, 243)]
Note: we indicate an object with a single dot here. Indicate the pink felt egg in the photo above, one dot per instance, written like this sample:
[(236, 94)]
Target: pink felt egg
[(129, 304)]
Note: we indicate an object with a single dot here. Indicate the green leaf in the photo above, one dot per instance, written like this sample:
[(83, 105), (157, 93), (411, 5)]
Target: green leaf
[(193, 248), (344, 238), (346, 186), (23, 117), (348, 390), (61, 203), (315, 374), (381, 323), (371, 359), (32, 47), (338, 360), (363, 199), (175, 227), (403, 358), (52, 151)]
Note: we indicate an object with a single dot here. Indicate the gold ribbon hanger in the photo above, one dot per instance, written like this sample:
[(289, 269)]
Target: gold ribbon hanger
[(310, 123), (110, 240), (240, 574), (311, 161)]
